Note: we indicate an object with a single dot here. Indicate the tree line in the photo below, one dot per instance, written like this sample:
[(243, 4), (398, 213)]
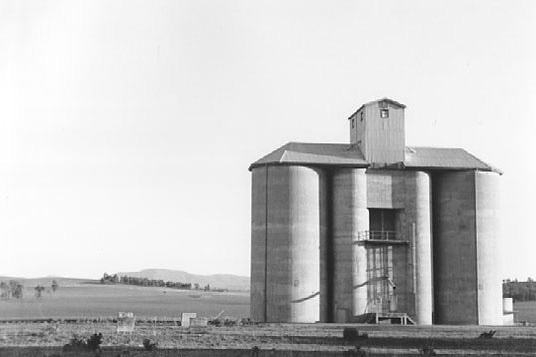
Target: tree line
[(14, 289), (520, 290), (131, 280), (11, 290)]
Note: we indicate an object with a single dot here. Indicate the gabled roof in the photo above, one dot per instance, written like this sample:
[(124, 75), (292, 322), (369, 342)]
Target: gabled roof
[(393, 102), (350, 156), (314, 154)]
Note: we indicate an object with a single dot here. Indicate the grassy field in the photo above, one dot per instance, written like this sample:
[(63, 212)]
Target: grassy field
[(80, 298), (83, 299), (271, 338)]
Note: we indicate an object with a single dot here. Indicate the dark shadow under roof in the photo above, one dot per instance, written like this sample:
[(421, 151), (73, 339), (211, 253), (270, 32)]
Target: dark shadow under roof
[(346, 155)]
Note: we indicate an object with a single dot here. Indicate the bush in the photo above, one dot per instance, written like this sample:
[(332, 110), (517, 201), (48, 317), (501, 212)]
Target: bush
[(148, 345), (350, 334), (487, 335), (77, 343), (229, 322), (246, 321), (215, 322), (94, 342)]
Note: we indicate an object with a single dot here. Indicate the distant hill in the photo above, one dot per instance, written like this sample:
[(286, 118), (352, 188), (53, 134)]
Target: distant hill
[(220, 281)]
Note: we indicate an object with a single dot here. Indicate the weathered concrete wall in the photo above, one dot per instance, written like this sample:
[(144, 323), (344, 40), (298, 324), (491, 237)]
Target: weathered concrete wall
[(307, 267), (258, 244), (455, 255), (293, 230), (350, 216), (468, 282), (409, 192), (488, 234), (386, 189)]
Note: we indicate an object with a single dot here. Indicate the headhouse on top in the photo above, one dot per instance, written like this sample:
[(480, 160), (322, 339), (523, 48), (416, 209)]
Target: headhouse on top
[(377, 129)]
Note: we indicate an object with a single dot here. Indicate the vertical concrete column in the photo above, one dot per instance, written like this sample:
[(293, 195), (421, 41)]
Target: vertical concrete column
[(350, 217), (294, 233), (326, 248), (487, 245), (423, 249), (455, 275), (258, 244)]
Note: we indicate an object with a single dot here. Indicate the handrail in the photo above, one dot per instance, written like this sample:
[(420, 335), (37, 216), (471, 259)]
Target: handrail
[(376, 235)]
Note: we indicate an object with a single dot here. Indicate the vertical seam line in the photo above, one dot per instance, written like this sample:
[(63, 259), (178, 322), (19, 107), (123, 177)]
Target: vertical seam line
[(266, 244), (476, 250)]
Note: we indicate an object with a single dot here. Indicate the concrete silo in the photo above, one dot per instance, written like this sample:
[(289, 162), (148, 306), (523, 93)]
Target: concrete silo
[(374, 230), (350, 217), (287, 229), (467, 282), (419, 202)]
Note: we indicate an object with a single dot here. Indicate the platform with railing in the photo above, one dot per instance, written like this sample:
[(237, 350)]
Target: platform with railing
[(379, 237)]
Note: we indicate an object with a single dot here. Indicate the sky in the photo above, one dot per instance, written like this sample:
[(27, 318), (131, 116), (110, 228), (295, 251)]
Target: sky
[(127, 127)]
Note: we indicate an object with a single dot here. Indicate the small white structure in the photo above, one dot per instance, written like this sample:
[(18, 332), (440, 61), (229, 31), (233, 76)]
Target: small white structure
[(186, 318), (126, 321), (509, 315)]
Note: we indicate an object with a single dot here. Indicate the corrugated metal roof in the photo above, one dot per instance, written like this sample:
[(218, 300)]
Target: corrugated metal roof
[(314, 154), (443, 158), (347, 155)]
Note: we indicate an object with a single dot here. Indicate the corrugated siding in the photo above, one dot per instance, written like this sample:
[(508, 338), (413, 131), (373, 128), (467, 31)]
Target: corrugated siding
[(385, 136)]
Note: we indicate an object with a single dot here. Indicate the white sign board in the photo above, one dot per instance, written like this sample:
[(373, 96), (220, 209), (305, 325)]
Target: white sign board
[(185, 318), (126, 322)]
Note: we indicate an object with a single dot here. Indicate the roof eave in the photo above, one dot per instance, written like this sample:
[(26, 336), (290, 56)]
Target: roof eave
[(310, 164), (452, 168)]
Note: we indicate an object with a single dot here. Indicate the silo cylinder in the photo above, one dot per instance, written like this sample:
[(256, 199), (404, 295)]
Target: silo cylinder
[(350, 217), (258, 244), (295, 228), (467, 275), (422, 230), (487, 240)]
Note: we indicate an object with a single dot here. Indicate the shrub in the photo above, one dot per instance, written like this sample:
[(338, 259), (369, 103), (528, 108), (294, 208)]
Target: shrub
[(77, 343), (255, 351), (487, 335), (94, 342), (229, 322), (215, 322), (148, 345), (350, 334)]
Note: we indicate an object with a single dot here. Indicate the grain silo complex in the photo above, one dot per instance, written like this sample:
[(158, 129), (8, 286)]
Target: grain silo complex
[(374, 229)]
